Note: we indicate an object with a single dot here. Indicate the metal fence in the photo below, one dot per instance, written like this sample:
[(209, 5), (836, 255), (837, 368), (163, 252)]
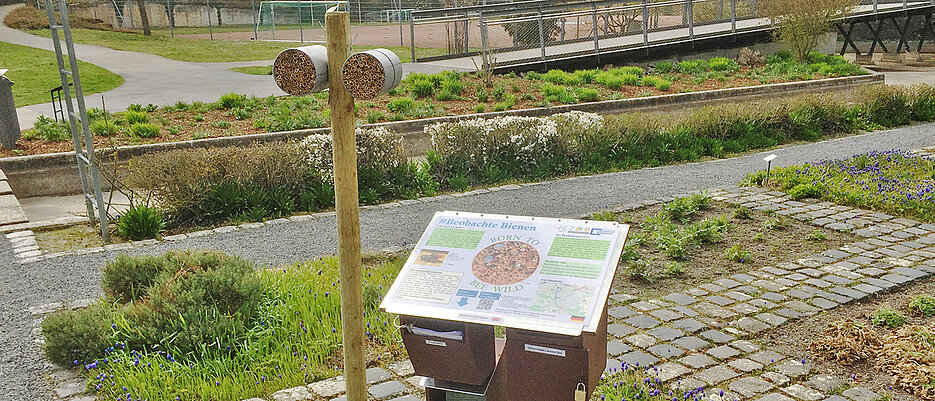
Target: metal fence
[(530, 31)]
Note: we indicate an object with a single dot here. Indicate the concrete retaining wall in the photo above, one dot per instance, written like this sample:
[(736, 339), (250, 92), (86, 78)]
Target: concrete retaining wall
[(56, 174)]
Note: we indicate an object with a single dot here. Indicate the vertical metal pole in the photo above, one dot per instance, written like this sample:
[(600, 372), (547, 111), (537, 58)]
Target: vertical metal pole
[(272, 17), (691, 20), (541, 34), (874, 6), (597, 46), (645, 24), (256, 21), (301, 34), (401, 24), (412, 38), (733, 16), (467, 25), (485, 51), (171, 17), (210, 29), (346, 206)]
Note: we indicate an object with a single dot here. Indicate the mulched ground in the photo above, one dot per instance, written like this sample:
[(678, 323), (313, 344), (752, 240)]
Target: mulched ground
[(708, 263), (793, 339)]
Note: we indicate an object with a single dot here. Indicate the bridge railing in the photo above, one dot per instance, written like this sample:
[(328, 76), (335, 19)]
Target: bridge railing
[(542, 30)]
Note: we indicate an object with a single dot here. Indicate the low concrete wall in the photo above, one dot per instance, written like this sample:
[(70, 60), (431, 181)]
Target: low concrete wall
[(56, 174)]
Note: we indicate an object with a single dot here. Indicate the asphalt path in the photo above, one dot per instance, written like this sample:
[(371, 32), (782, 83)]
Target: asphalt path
[(77, 277)]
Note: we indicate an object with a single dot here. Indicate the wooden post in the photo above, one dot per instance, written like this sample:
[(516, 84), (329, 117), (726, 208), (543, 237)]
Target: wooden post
[(346, 205)]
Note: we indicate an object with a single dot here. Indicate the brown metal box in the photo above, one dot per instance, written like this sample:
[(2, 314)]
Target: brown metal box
[(470, 361)]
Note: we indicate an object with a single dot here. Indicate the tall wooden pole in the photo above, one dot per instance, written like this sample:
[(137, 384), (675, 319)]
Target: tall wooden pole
[(346, 205)]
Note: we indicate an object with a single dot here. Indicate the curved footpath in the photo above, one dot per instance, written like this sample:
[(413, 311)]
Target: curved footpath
[(77, 276)]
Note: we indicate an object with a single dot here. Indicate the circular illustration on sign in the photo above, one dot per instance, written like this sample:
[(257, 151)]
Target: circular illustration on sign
[(505, 263)]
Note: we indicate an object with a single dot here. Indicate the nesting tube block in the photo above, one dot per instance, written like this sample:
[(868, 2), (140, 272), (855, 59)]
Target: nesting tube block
[(302, 70), (372, 73)]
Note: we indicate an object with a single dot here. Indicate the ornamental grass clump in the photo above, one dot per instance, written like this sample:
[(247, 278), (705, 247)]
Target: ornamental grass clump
[(845, 341)]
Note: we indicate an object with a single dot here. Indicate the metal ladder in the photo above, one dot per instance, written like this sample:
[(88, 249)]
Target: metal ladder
[(84, 153)]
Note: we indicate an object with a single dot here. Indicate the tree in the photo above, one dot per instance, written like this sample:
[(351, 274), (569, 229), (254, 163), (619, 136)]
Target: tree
[(799, 23), (143, 17)]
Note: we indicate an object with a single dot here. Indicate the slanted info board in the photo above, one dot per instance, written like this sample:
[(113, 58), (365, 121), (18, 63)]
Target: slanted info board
[(532, 273)]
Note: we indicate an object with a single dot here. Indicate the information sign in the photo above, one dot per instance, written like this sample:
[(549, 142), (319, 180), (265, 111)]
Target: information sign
[(532, 273)]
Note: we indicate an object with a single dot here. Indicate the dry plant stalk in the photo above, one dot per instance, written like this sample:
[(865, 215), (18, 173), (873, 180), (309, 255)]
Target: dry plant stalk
[(909, 357), (845, 341), (294, 72), (364, 76)]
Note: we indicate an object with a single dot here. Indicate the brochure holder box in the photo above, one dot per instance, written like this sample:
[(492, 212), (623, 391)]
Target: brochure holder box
[(544, 366), (469, 361)]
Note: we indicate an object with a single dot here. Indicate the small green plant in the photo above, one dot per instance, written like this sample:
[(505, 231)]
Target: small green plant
[(683, 208), (199, 135), (401, 105), (143, 130), (803, 191), (459, 183), (103, 128), (136, 117), (140, 222), (588, 94), (482, 95), (221, 124), (605, 215), (816, 236), (888, 317), (80, 336), (743, 213), (231, 100), (444, 95), (49, 130), (480, 108), (923, 305), (664, 67), (775, 223), (422, 88), (199, 117), (240, 113), (759, 237), (737, 254), (175, 130), (674, 269)]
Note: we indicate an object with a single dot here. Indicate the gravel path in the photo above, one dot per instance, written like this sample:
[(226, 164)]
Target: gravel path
[(76, 277)]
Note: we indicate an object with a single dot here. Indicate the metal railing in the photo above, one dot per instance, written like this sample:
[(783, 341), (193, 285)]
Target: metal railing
[(531, 31)]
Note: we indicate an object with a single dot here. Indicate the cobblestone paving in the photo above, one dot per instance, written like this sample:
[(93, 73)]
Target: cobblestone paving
[(702, 336)]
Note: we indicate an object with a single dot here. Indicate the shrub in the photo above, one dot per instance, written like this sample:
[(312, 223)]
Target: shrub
[(657, 82), (444, 95), (691, 66), (888, 317), (884, 105), (922, 102), (49, 130), (143, 130), (454, 87), (126, 278), (609, 80), (923, 305), (140, 222), (482, 95), (74, 337), (136, 117), (231, 100), (801, 23), (377, 149), (203, 301), (480, 108)]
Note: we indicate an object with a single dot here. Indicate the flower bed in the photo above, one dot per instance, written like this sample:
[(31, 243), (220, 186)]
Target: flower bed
[(893, 181), (423, 96), (290, 333)]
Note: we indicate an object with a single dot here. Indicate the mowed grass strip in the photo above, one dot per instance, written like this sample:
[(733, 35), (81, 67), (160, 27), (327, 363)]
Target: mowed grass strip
[(201, 50), (35, 72)]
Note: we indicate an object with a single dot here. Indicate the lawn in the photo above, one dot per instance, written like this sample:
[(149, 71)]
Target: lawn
[(200, 50), (197, 50), (35, 72), (255, 70)]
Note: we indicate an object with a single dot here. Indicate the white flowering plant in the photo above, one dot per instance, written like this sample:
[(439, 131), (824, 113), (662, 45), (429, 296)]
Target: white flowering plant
[(377, 148)]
